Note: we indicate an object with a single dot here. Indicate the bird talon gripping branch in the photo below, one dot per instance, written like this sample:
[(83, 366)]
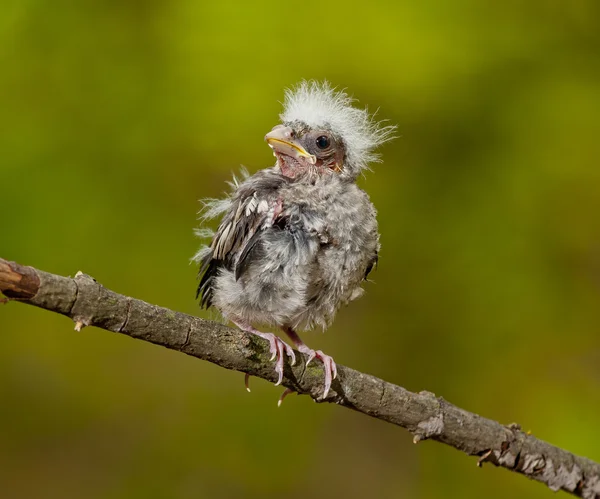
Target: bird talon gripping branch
[(267, 263)]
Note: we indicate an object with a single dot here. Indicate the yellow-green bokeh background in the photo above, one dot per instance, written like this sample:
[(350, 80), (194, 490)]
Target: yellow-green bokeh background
[(117, 116)]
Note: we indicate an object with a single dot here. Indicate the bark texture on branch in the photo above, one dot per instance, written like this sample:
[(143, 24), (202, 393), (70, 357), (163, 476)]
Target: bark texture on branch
[(426, 416)]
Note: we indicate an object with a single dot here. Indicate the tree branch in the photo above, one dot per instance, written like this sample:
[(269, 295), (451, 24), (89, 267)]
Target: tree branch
[(426, 416)]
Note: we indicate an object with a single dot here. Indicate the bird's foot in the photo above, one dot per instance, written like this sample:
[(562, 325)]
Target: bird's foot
[(277, 347), (328, 365)]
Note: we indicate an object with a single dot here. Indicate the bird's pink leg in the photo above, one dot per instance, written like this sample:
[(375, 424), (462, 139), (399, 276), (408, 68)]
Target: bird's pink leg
[(277, 347), (328, 362)]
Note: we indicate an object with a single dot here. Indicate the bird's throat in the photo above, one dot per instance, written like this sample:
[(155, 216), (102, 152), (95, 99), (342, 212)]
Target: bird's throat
[(290, 167)]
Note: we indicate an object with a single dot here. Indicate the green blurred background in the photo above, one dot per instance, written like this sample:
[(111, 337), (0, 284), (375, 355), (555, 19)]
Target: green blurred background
[(117, 116)]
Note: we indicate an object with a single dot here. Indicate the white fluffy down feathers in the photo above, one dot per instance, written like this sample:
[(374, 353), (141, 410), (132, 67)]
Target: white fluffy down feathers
[(320, 105)]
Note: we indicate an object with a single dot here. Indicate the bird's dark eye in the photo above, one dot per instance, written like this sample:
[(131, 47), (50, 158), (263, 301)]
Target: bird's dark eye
[(323, 142)]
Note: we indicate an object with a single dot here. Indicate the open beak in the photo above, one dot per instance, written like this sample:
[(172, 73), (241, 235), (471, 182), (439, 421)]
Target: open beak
[(281, 140)]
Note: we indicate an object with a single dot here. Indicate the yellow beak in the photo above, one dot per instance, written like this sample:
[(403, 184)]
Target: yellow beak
[(281, 140)]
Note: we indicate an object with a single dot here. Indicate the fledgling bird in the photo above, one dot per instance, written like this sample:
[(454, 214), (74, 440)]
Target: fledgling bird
[(296, 240)]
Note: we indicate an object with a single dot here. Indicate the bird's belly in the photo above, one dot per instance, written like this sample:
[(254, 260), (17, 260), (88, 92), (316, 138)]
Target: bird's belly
[(341, 273), (260, 298)]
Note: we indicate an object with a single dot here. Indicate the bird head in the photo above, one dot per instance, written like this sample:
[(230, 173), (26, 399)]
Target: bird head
[(323, 134)]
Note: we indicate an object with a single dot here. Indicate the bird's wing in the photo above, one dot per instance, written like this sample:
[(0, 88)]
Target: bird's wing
[(249, 213)]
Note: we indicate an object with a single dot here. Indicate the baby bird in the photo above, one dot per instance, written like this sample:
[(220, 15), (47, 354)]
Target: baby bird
[(296, 240)]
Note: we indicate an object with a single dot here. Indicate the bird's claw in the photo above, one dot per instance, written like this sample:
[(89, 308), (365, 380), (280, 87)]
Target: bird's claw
[(329, 366), (285, 393), (279, 349)]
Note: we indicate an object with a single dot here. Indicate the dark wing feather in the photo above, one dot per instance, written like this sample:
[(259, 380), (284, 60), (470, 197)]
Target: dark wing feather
[(244, 219), (208, 271), (243, 261), (372, 263)]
